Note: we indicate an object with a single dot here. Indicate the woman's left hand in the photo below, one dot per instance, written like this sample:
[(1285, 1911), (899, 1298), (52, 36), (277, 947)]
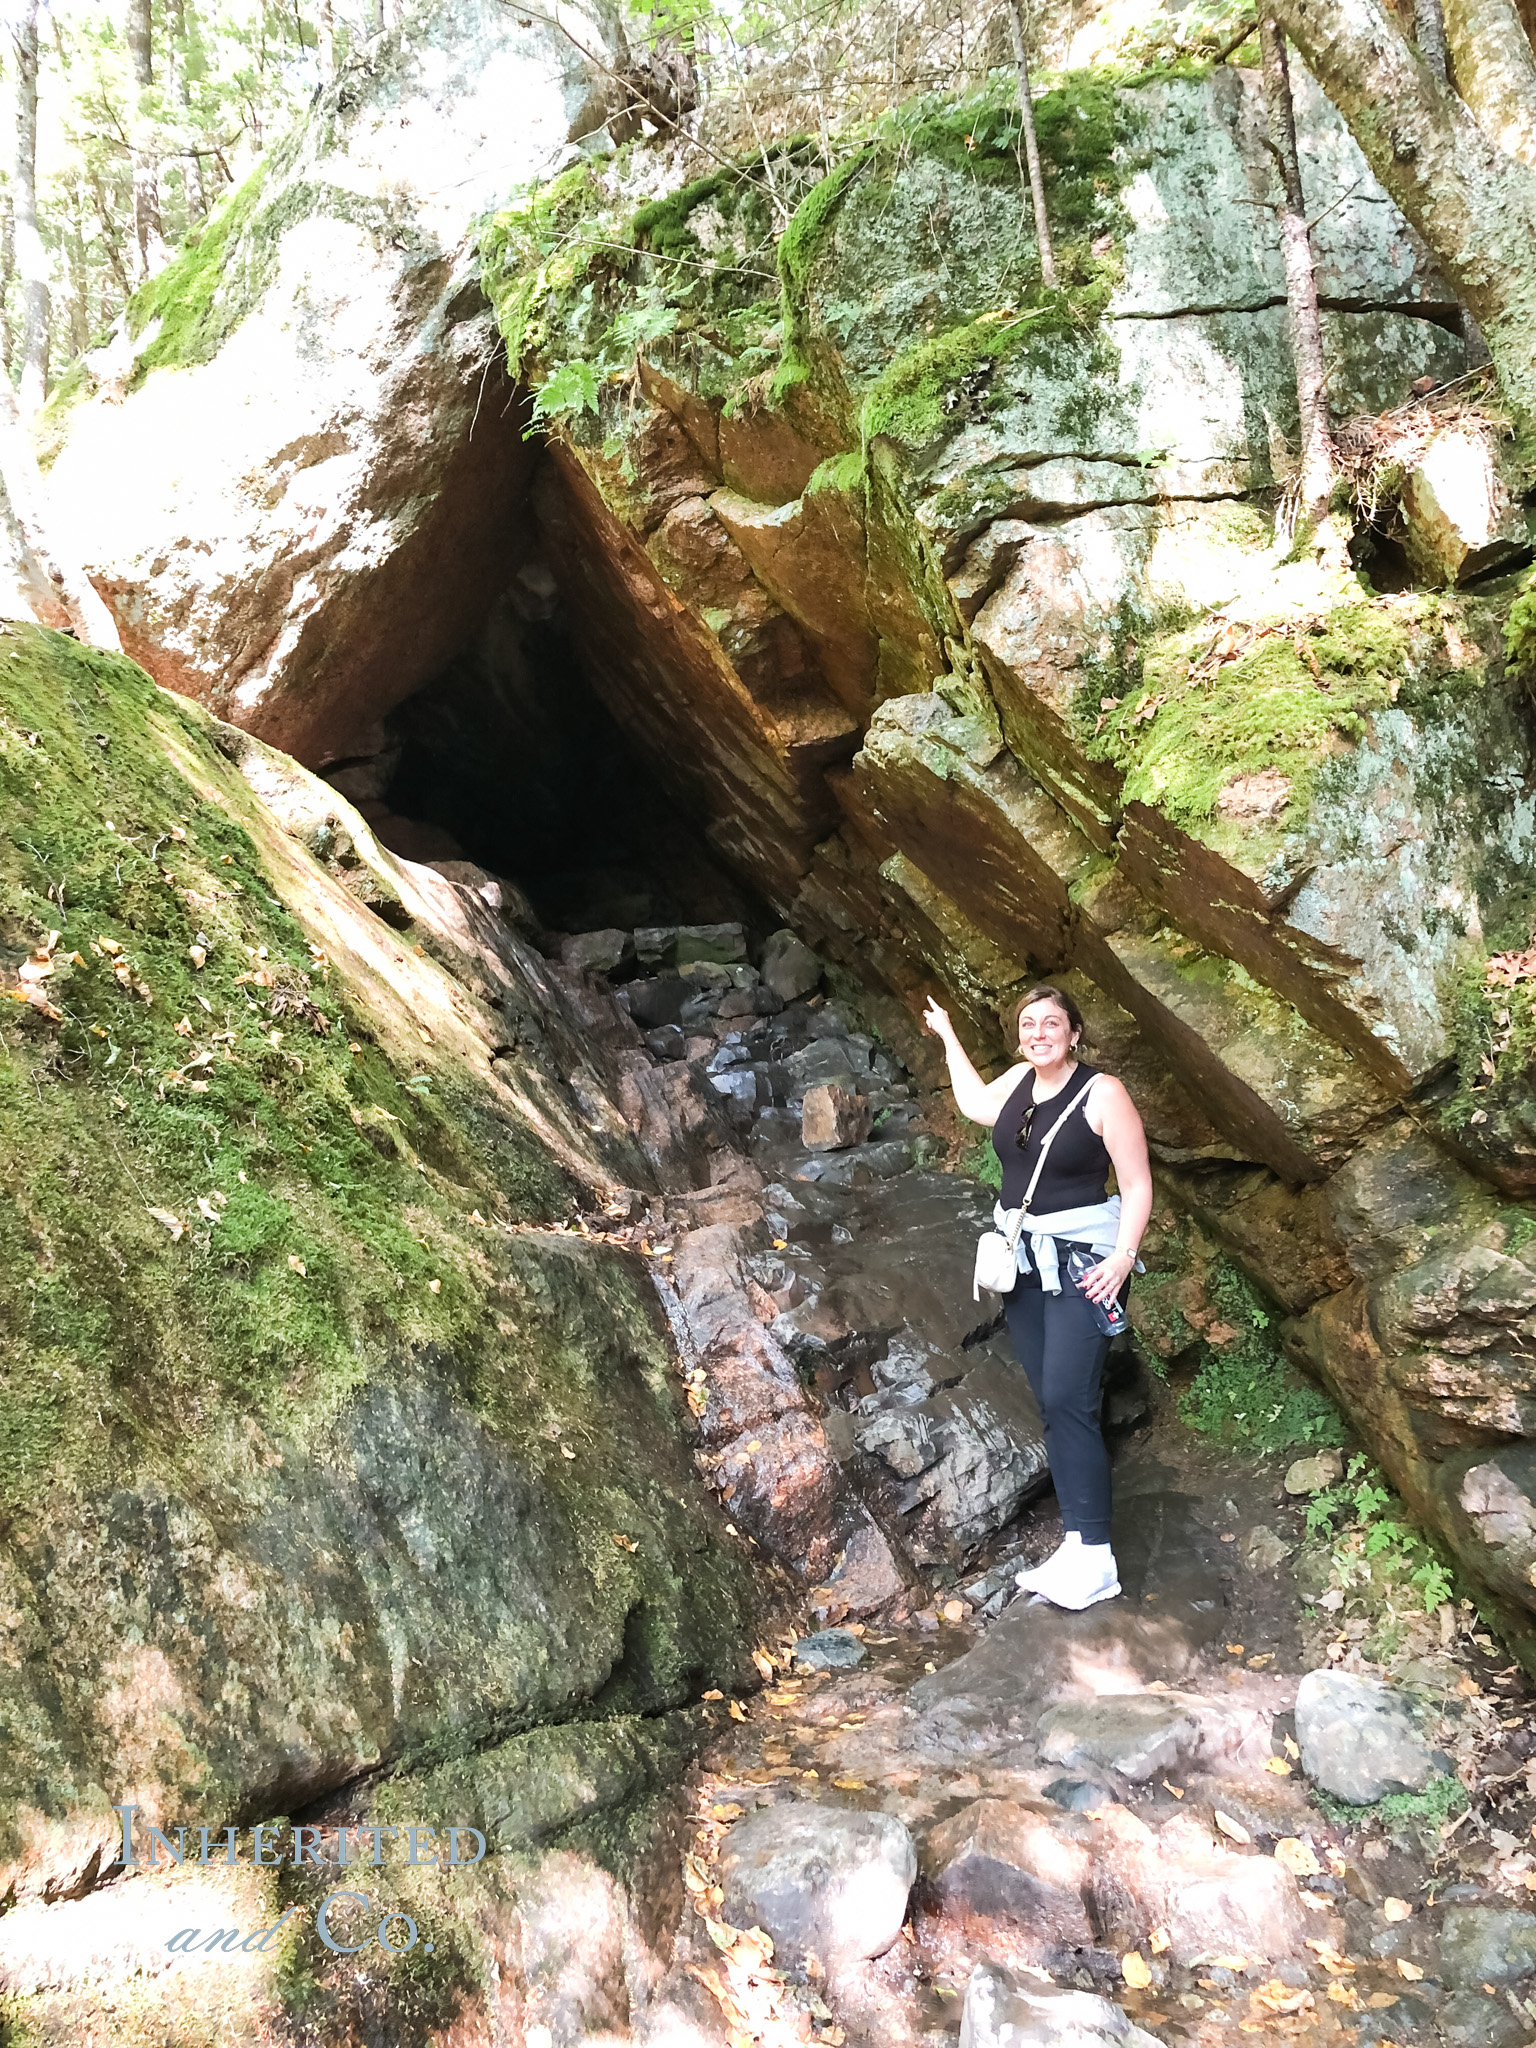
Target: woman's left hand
[(1105, 1280)]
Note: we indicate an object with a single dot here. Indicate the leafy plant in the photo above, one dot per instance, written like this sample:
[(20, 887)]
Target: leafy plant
[(1245, 1391), (572, 390), (1368, 1542)]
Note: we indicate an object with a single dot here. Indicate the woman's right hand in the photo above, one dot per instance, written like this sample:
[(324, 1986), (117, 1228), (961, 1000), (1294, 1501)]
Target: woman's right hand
[(937, 1020)]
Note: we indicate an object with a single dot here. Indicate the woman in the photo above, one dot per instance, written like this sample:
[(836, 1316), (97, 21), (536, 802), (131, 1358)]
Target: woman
[(1050, 1319)]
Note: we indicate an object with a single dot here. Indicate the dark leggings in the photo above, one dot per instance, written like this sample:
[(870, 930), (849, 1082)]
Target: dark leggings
[(1062, 1351)]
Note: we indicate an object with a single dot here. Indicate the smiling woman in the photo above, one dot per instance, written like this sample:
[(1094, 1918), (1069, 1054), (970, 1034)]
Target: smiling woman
[(1057, 1213)]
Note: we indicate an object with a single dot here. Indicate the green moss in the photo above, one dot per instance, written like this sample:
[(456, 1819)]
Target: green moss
[(914, 400), (1520, 629), (799, 247), (1285, 703), (1399, 1812), (839, 473), (249, 1084), (223, 271), (1245, 1391)]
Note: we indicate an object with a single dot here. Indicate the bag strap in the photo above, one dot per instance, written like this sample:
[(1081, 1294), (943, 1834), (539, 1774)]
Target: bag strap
[(1078, 1097)]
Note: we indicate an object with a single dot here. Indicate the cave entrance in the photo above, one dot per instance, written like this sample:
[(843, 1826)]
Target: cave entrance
[(508, 758)]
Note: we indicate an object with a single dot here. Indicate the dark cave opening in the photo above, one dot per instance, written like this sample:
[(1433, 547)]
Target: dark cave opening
[(509, 759)]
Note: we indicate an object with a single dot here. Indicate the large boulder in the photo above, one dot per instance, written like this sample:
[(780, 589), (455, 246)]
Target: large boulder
[(296, 511), (310, 1461), (1360, 1737)]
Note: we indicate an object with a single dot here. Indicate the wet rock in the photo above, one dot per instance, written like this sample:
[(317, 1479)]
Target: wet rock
[(865, 1577), (823, 1060), (1143, 1735), (830, 1649), (739, 1087), (666, 1043), (1212, 1901), (656, 1003), (1007, 2011), (831, 1117), (596, 952), (821, 1881), (789, 967), (1359, 1737), (1312, 1475), (1264, 1551), (1000, 1860), (1079, 1795), (1486, 1945), (1471, 2019), (971, 1456)]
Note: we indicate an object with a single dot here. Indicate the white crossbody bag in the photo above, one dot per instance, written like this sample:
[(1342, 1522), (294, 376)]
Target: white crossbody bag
[(997, 1255)]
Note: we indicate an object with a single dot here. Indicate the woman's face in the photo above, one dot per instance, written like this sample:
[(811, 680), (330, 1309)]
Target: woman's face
[(1045, 1034)]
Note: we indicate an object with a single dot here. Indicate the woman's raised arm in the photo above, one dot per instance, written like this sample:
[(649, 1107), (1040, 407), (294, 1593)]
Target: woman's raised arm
[(981, 1101)]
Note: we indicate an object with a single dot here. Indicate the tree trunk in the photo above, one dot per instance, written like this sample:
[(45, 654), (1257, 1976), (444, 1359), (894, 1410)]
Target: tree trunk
[(1031, 146), (325, 38), (31, 263), (1429, 34), (192, 177), (146, 170), (1495, 71), (55, 588), (1474, 204), (1319, 464)]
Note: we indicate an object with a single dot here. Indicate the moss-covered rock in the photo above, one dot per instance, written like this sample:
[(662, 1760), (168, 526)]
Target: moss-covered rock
[(317, 1433)]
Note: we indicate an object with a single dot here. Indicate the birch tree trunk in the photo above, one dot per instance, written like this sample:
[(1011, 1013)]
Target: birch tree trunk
[(1495, 71), (1032, 146), (1319, 463), (31, 263), (1472, 201)]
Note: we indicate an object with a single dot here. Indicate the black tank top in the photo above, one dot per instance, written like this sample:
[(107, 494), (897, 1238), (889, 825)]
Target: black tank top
[(1077, 1166)]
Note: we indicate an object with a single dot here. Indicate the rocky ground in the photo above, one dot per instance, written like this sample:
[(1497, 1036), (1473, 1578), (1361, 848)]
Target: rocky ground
[(1220, 1803)]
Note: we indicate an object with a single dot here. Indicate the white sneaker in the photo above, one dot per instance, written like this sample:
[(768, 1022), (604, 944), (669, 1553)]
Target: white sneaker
[(1025, 1580), (1079, 1578)]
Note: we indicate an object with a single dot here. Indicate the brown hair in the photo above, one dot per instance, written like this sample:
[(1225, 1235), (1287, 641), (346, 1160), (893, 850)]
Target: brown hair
[(1047, 992)]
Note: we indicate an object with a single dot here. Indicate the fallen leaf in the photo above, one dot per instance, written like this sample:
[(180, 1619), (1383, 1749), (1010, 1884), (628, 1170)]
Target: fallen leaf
[(198, 955), (764, 1663), (436, 1287), (206, 1209), (1330, 1958), (565, 1449), (1396, 1909), (1344, 1994), (1318, 1902), (1292, 1748), (1176, 1790), (1299, 1858), (1380, 2000), (1234, 1649), (1258, 1663), (1409, 1972), (953, 1610), (714, 1693), (1135, 1969), (1159, 1940), (297, 1265), (1228, 1963), (626, 1543), (738, 1711), (1279, 1766), (730, 1811), (172, 1223), (849, 1784), (1232, 1829)]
